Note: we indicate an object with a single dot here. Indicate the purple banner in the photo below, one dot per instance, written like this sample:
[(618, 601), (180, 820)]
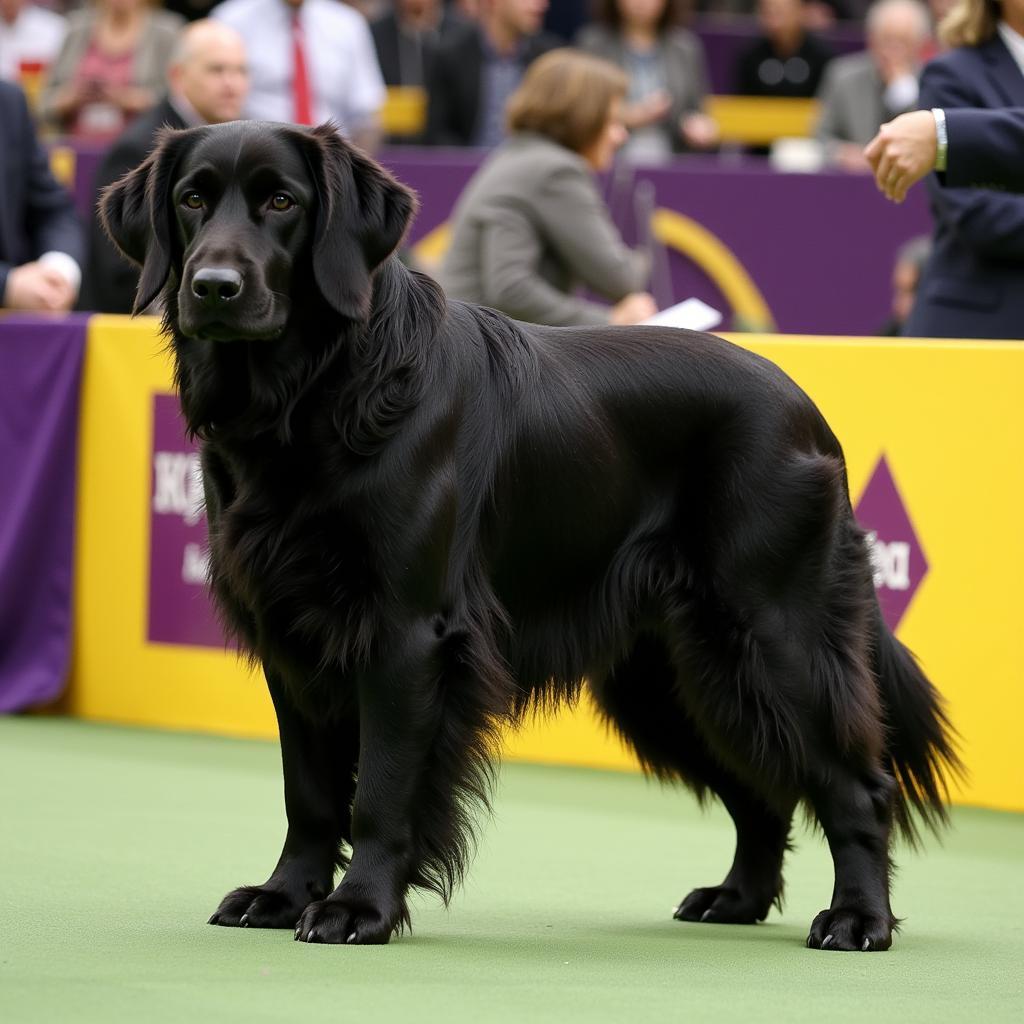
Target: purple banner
[(179, 605), (817, 249), (40, 386), (897, 558)]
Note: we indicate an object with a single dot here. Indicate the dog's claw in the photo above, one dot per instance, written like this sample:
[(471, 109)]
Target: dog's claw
[(706, 914), (244, 922), (351, 938), (214, 919), (825, 941), (866, 946)]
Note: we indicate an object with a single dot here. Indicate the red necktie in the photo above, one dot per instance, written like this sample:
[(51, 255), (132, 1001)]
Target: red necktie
[(300, 78)]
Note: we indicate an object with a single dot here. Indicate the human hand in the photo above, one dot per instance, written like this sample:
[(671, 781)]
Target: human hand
[(131, 98), (633, 309), (902, 153), (699, 130), (39, 288), (651, 109)]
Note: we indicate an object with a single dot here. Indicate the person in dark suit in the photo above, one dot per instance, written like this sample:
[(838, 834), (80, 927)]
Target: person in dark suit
[(973, 285), (478, 67), (406, 38), (41, 250), (981, 149), (786, 59), (207, 84)]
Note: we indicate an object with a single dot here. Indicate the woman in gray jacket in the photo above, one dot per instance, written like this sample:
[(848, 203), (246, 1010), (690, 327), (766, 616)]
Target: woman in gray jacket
[(531, 225)]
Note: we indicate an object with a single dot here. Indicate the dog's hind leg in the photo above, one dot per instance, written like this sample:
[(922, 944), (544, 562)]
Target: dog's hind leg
[(640, 698), (319, 770)]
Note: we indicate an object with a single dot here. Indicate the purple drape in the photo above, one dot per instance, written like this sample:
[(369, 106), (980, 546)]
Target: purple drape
[(40, 383)]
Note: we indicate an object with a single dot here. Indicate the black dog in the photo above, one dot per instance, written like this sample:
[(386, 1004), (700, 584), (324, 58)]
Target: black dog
[(426, 518)]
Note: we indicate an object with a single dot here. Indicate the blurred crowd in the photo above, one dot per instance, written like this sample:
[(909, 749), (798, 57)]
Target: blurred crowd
[(111, 73)]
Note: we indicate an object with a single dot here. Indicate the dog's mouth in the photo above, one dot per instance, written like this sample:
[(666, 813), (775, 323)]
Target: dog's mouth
[(267, 324), (220, 331)]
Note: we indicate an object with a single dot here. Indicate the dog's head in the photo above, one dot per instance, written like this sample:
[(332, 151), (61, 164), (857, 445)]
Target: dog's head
[(230, 216)]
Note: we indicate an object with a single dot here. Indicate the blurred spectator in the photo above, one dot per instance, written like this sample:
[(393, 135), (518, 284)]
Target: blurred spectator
[(191, 10), (478, 67), (407, 38), (786, 60), (40, 237), (973, 286), (906, 275), (309, 61), (861, 90), (30, 39), (531, 224), (111, 66), (207, 84), (667, 71), (566, 17)]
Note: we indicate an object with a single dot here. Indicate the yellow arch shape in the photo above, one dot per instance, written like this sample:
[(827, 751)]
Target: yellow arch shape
[(719, 263), (683, 234), (430, 249)]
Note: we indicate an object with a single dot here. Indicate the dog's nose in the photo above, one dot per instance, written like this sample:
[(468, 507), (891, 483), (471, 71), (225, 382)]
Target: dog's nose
[(214, 286)]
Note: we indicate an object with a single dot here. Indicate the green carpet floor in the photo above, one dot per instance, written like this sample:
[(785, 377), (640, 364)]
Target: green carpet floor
[(116, 845)]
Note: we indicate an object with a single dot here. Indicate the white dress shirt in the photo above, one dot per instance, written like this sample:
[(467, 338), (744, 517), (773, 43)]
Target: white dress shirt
[(1014, 43), (341, 60), (36, 34)]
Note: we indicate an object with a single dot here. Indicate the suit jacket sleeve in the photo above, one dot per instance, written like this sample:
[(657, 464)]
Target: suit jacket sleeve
[(446, 123), (829, 129), (568, 217), (986, 149), (987, 222), (48, 214), (110, 280)]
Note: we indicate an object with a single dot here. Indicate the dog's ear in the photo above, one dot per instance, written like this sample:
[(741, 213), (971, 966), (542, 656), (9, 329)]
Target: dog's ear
[(363, 215), (136, 213)]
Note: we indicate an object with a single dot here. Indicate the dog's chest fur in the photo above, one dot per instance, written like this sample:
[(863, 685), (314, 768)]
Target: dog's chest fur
[(291, 565)]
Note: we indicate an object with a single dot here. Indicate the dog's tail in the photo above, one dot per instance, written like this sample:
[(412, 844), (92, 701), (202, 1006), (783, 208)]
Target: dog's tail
[(921, 740)]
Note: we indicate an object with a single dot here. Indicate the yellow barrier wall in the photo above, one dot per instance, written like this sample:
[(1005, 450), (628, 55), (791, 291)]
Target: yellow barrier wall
[(947, 416)]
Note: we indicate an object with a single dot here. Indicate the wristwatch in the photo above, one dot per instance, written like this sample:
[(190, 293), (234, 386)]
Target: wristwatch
[(941, 139)]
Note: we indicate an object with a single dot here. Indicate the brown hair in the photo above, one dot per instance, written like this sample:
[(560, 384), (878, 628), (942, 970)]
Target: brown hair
[(970, 23), (566, 95)]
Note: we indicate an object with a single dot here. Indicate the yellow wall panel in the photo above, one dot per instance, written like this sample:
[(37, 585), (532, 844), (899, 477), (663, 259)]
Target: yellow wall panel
[(946, 415)]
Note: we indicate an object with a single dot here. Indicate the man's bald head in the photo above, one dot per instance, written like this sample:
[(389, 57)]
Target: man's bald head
[(208, 69)]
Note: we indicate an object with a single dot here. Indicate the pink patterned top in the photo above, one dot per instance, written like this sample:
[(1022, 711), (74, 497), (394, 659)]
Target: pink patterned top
[(100, 120)]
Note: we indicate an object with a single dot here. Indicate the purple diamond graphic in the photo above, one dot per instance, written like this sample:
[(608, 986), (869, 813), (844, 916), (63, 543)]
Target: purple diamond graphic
[(896, 555)]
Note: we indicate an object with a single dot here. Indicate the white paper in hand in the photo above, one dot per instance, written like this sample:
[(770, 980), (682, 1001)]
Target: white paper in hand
[(692, 314)]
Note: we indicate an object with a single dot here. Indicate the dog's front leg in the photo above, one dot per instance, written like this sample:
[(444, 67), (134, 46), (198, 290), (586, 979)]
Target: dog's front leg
[(399, 711), (319, 778)]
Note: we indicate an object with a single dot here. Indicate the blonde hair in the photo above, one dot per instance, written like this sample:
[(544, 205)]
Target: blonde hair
[(566, 95), (970, 23)]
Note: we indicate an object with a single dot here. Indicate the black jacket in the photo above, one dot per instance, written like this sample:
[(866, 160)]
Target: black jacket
[(456, 81), (110, 280), (37, 214)]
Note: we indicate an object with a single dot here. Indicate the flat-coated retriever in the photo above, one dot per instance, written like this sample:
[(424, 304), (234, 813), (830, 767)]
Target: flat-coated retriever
[(426, 518)]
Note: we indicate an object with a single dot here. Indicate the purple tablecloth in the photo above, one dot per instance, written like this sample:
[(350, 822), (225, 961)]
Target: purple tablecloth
[(40, 379)]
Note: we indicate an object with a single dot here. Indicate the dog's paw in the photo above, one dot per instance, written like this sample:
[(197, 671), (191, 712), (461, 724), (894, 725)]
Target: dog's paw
[(256, 906), (341, 920), (851, 930), (718, 904)]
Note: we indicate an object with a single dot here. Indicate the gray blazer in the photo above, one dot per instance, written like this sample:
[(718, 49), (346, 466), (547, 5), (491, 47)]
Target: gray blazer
[(529, 226), (156, 43), (852, 99), (682, 58)]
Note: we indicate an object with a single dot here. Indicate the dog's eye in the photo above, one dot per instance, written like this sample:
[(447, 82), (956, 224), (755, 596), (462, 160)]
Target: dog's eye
[(281, 201), (193, 200)]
